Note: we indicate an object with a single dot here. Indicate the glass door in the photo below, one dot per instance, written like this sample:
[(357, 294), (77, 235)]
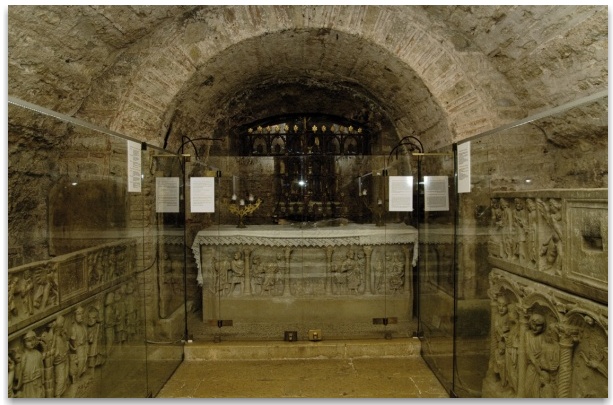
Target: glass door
[(436, 275)]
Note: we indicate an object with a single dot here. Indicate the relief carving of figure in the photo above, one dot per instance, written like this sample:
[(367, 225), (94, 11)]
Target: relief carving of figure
[(380, 274), (551, 250), (95, 268), (236, 274), (15, 355), (29, 374), (257, 274), (109, 322), (542, 358), (218, 276), (508, 237), (396, 274), (78, 346), (520, 221), (12, 291), (120, 315), (531, 232), (48, 344), (27, 291), (272, 275), (352, 273), (497, 229), (61, 349), (94, 355), (11, 376), (46, 287), (505, 331)]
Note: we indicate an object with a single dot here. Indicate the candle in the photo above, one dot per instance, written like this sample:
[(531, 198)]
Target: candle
[(234, 197), (234, 186), (242, 202), (251, 197), (364, 192), (379, 202), (359, 185)]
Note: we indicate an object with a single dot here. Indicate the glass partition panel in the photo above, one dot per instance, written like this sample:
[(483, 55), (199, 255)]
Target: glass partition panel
[(164, 250), (304, 251), (436, 273), (76, 321), (532, 313)]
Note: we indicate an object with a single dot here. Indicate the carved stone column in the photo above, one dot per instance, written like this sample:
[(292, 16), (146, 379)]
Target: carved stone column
[(286, 287), (329, 251), (367, 271), (247, 271), (568, 338)]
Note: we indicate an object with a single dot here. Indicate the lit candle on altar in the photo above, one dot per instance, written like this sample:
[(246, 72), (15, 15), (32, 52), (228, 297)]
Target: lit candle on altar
[(242, 202)]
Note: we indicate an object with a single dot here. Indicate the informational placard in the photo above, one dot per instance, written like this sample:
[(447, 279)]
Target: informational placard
[(134, 169), (202, 194), (436, 193), (167, 194), (401, 193), (464, 167)]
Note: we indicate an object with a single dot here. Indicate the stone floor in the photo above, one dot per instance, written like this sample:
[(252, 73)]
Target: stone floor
[(326, 369)]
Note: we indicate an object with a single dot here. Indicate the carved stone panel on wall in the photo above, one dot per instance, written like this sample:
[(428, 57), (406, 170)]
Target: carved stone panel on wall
[(37, 289), (558, 237), (545, 343)]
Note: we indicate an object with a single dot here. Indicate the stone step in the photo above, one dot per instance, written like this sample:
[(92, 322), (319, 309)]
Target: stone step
[(282, 350)]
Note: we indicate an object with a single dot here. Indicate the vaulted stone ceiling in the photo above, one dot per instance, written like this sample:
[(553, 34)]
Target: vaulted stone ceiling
[(442, 73)]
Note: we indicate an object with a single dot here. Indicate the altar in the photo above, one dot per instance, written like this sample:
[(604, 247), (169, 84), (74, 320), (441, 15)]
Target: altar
[(347, 280)]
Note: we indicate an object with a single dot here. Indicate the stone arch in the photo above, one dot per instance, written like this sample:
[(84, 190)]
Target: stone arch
[(144, 108)]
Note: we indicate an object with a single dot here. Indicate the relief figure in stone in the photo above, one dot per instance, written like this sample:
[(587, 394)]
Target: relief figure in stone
[(272, 276), (508, 237), (46, 287), (532, 232), (352, 273), (551, 250), (542, 358), (29, 375), (380, 274), (61, 350), (505, 332), (94, 355), (78, 346), (12, 291), (258, 272), (236, 274), (497, 229), (15, 355), (109, 322), (27, 291), (521, 225), (218, 276), (11, 377), (48, 344), (95, 268), (120, 315), (396, 274)]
